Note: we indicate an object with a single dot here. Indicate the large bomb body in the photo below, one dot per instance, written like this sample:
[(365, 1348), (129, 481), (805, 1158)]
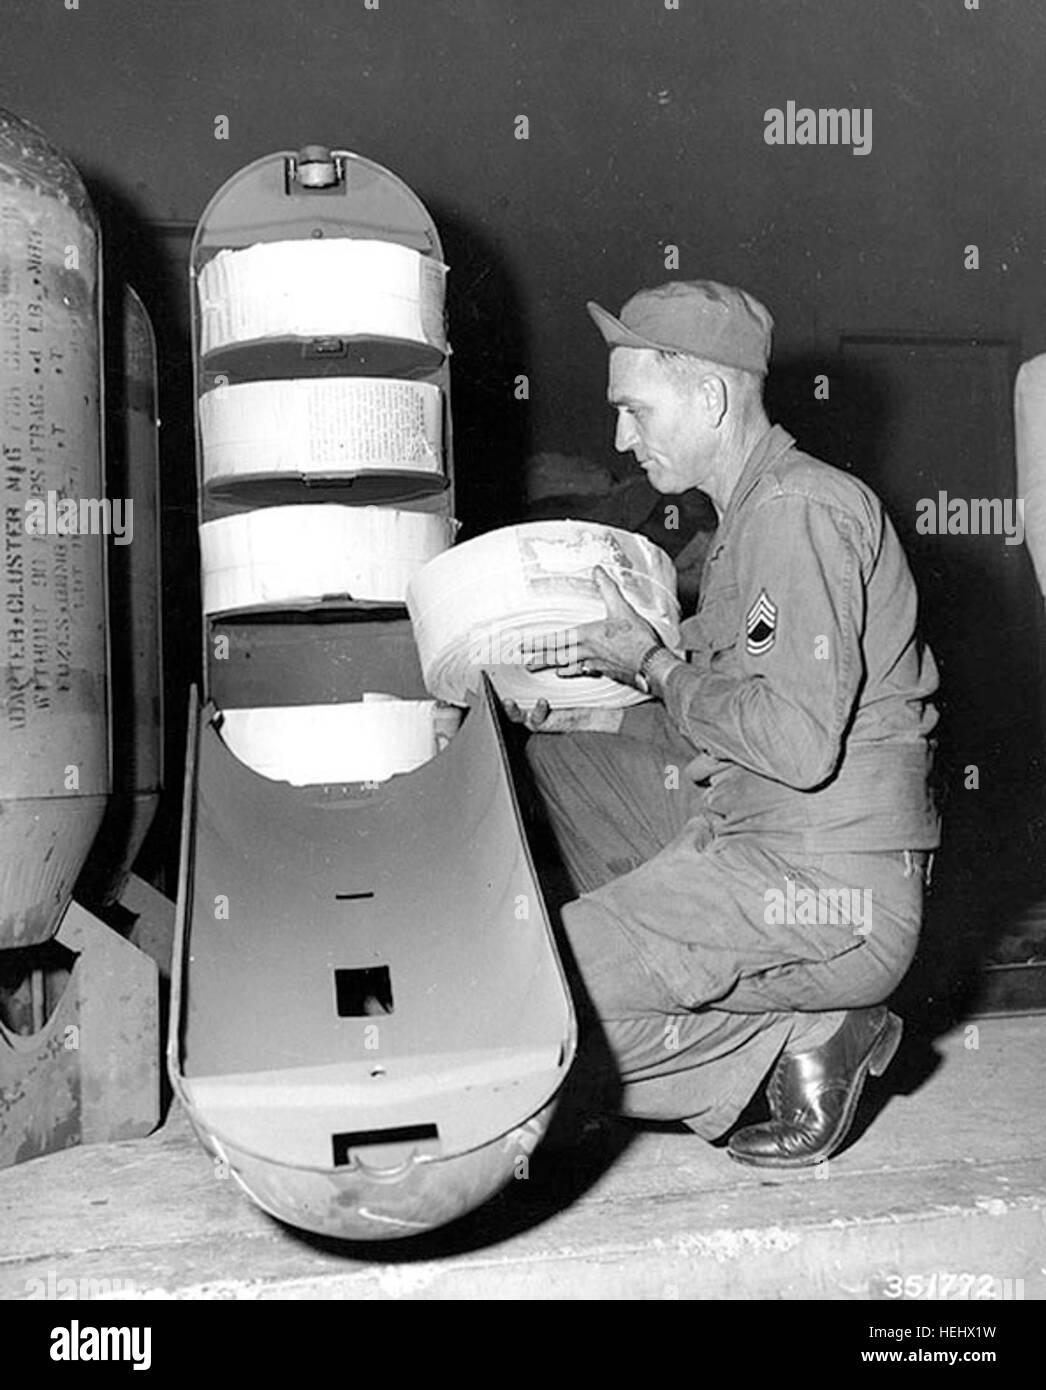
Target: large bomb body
[(54, 721)]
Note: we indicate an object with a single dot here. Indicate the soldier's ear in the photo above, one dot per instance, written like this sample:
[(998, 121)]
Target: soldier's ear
[(713, 393)]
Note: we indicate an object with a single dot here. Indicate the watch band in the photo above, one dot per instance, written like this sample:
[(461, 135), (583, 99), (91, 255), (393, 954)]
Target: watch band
[(655, 666), (642, 673)]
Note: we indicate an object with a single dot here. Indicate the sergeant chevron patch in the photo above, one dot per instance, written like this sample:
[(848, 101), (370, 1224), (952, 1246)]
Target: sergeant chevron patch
[(761, 624)]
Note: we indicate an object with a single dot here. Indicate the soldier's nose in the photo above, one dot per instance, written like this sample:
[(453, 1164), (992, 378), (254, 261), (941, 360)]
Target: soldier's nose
[(625, 436)]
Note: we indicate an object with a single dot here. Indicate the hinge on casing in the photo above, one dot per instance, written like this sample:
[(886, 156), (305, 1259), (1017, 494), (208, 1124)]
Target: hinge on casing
[(314, 167)]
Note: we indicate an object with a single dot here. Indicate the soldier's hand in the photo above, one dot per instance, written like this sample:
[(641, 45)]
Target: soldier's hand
[(612, 646), (531, 719), (542, 719)]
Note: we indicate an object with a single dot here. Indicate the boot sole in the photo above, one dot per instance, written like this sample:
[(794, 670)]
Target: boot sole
[(880, 1055)]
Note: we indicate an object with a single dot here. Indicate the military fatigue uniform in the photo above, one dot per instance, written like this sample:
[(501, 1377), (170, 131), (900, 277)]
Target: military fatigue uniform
[(789, 758)]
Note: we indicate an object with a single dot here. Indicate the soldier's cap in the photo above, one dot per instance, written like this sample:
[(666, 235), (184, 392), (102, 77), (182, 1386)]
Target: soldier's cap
[(700, 317)]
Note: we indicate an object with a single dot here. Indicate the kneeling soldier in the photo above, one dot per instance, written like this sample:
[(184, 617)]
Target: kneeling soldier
[(750, 848)]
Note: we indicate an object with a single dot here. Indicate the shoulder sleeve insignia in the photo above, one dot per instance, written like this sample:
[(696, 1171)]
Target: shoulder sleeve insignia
[(761, 624)]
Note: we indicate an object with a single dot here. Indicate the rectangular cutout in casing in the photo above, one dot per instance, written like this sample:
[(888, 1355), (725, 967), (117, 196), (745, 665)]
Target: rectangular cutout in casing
[(358, 1139), (363, 993)]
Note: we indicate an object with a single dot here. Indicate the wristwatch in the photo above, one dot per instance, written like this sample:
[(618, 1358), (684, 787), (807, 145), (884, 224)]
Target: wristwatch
[(642, 676)]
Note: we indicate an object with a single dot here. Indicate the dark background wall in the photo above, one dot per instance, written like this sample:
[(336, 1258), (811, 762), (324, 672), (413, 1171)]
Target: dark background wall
[(646, 129)]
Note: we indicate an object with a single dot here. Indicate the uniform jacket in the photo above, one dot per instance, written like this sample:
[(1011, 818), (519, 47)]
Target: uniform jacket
[(807, 692)]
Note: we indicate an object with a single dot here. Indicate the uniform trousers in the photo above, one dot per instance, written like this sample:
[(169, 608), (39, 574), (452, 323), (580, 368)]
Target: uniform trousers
[(677, 932)]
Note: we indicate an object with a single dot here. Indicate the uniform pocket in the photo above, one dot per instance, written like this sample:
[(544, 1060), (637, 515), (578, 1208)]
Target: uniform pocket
[(821, 914), (720, 618)]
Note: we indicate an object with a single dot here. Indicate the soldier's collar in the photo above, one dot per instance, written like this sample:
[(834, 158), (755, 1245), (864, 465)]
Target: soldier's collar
[(765, 452)]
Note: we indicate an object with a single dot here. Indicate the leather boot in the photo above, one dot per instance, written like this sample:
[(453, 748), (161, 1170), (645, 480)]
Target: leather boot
[(813, 1095)]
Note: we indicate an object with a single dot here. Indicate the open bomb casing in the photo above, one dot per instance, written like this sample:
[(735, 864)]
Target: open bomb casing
[(369, 1022)]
